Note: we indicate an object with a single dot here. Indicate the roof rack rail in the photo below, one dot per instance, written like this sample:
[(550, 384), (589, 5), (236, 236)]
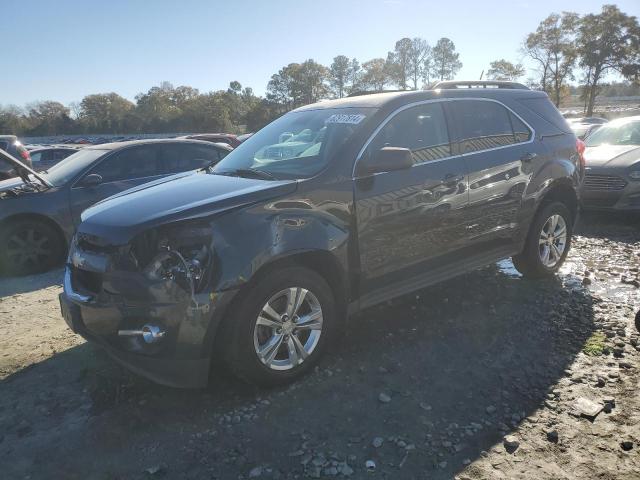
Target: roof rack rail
[(452, 84), (371, 92)]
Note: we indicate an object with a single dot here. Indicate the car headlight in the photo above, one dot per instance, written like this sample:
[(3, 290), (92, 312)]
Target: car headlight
[(181, 253), (173, 265), (634, 175)]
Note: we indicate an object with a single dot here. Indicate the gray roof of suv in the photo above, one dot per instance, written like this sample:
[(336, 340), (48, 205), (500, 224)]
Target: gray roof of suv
[(130, 143), (378, 100)]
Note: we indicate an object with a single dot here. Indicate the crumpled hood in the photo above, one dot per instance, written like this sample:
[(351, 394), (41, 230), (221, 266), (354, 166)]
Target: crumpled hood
[(20, 188), (612, 155), (119, 218), (10, 183)]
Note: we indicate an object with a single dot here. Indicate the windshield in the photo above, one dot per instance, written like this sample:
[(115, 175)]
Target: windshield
[(616, 133), (297, 145), (67, 169)]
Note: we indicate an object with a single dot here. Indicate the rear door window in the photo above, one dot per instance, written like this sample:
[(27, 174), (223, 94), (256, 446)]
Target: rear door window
[(61, 154), (482, 125), (129, 164), (546, 110), (178, 158), (520, 130), (4, 146), (422, 129)]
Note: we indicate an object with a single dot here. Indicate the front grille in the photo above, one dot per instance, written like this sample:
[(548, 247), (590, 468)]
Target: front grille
[(594, 181), (87, 281)]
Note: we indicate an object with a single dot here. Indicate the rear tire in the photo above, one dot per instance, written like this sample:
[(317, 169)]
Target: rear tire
[(271, 342), (547, 243), (29, 246)]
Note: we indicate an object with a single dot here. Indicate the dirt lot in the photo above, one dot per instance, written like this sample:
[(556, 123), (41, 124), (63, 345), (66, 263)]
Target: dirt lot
[(486, 376)]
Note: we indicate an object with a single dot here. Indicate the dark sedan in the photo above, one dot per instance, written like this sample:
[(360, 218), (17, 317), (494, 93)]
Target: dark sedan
[(612, 158), (40, 211), (584, 126)]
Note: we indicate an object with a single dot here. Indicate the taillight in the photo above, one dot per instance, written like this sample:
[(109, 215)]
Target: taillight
[(580, 148), (24, 153)]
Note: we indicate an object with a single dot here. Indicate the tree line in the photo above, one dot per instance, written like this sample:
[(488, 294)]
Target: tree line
[(567, 45), (564, 48)]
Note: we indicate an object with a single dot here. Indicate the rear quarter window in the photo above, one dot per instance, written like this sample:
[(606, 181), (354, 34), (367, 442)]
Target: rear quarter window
[(4, 146), (544, 109)]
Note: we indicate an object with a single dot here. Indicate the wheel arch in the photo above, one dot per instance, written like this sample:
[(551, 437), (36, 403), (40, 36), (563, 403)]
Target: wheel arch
[(561, 191), (322, 262)]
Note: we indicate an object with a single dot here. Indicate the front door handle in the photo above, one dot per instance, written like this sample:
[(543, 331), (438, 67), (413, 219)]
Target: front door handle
[(527, 157), (451, 179)]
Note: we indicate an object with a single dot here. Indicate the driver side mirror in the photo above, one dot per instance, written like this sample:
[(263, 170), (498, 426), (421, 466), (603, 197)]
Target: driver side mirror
[(91, 180), (387, 159)]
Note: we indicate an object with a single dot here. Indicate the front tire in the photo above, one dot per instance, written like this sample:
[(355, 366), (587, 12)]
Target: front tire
[(548, 242), (29, 246), (281, 327)]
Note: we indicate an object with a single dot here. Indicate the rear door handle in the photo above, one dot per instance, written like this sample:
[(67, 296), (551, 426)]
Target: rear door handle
[(451, 179), (527, 157)]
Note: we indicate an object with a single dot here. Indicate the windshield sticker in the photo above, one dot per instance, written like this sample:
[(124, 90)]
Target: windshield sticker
[(345, 118)]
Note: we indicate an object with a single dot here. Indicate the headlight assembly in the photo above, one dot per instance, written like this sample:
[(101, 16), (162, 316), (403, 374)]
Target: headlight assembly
[(183, 254), (635, 175)]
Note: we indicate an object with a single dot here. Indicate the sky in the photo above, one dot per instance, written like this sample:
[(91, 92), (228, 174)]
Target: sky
[(65, 49)]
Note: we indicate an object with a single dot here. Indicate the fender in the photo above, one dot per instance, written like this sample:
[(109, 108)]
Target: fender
[(266, 234), (554, 175)]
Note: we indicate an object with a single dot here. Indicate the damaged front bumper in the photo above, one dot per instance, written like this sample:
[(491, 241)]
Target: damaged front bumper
[(119, 309)]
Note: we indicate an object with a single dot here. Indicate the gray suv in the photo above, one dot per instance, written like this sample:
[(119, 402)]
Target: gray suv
[(40, 211), (330, 209)]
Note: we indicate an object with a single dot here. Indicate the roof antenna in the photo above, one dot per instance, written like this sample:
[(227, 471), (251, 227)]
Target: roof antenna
[(482, 74)]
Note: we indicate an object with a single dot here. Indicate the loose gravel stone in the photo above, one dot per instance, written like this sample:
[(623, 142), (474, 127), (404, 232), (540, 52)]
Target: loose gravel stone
[(511, 443), (626, 445), (384, 398)]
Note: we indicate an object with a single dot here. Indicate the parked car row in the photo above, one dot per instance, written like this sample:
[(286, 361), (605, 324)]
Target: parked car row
[(583, 126), (45, 157)]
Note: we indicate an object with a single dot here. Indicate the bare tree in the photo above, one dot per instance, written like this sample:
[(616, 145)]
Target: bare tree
[(339, 75), (609, 41), (376, 74), (418, 53), (446, 59), (505, 70), (400, 62), (552, 46)]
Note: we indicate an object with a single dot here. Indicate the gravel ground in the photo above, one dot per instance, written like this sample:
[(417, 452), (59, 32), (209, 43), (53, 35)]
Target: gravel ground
[(487, 376)]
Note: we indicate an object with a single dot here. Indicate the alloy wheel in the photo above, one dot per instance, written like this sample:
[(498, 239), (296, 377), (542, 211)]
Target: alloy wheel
[(28, 249), (288, 328), (553, 240)]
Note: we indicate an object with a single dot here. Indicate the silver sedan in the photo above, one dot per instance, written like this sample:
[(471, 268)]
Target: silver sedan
[(612, 157)]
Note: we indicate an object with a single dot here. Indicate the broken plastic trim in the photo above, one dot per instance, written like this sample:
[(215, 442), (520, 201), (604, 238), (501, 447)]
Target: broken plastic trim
[(184, 255)]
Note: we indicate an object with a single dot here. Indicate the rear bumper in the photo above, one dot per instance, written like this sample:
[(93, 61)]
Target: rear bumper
[(182, 359)]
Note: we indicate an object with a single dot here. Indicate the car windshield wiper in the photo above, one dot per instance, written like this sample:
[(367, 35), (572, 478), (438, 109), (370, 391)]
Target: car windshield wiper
[(249, 172)]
